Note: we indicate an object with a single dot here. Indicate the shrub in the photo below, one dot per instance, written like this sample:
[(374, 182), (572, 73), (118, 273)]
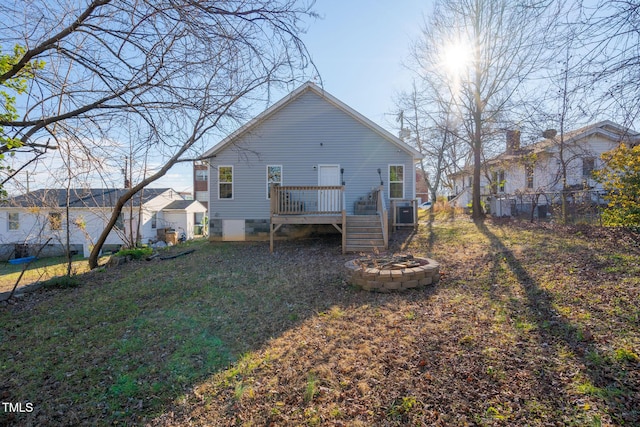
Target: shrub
[(62, 282), (135, 253)]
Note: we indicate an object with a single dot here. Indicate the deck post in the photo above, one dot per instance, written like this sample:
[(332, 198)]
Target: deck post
[(271, 237), (344, 222)]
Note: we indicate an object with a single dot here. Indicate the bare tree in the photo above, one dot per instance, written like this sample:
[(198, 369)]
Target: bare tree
[(175, 70), (610, 36), (479, 52), (430, 126)]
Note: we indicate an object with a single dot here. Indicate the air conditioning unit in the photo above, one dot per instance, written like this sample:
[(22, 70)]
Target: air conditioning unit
[(404, 214)]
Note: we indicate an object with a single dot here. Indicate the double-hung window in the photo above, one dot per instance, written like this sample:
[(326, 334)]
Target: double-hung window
[(396, 181), (201, 174), (528, 175), (274, 176), (13, 221), (497, 184), (225, 182)]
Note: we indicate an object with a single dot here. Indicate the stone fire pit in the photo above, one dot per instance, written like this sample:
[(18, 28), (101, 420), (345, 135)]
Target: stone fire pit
[(385, 274)]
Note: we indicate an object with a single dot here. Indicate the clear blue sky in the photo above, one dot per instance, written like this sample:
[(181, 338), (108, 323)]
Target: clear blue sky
[(359, 47)]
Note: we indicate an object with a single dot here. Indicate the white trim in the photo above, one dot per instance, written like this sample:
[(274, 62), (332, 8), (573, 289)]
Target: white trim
[(233, 179), (404, 169), (206, 176), (9, 221)]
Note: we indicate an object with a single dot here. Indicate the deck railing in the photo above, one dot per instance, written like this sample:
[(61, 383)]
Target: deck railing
[(307, 200), (381, 208)]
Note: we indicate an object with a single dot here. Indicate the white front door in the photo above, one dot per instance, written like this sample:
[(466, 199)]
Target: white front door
[(328, 200)]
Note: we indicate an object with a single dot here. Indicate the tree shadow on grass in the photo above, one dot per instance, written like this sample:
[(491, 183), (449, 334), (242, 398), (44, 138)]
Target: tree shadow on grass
[(403, 237), (600, 374), (131, 340)]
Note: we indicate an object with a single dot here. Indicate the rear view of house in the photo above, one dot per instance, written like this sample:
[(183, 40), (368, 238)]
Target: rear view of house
[(309, 159)]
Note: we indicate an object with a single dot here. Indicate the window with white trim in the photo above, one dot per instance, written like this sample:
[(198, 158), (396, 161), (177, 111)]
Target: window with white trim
[(528, 175), (274, 176), (13, 221), (396, 181), (202, 174), (497, 182), (225, 182)]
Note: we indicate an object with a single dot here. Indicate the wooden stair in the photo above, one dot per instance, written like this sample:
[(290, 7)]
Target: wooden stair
[(364, 233)]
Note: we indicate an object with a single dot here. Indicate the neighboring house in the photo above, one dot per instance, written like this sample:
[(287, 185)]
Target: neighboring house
[(184, 215), (30, 220), (201, 193), (523, 177), (308, 159), (201, 182), (422, 190)]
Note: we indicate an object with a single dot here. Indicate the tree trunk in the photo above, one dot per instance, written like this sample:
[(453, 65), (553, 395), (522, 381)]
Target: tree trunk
[(477, 213)]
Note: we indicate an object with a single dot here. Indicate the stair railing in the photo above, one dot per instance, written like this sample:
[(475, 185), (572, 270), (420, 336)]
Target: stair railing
[(381, 208)]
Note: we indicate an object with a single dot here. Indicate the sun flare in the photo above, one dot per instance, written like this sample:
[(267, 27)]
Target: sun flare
[(456, 57)]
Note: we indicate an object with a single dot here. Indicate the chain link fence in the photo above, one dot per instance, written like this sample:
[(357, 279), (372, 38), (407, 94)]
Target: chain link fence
[(581, 206)]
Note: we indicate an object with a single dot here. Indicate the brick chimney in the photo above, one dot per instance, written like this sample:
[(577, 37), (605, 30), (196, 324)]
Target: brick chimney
[(513, 141)]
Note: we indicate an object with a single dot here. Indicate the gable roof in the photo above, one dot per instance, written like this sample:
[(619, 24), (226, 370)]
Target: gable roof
[(310, 87), (605, 128), (80, 197), (181, 205)]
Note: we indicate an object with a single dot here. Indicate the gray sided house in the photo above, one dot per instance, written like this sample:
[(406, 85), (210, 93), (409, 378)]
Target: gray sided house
[(310, 160)]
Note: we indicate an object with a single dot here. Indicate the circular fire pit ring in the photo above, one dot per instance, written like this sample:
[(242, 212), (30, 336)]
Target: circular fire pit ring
[(413, 272)]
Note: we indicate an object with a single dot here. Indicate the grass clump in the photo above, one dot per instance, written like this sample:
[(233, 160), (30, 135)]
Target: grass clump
[(311, 389), (135, 253), (626, 355), (60, 282)]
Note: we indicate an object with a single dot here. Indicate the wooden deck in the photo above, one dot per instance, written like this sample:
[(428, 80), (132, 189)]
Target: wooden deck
[(326, 205), (307, 205)]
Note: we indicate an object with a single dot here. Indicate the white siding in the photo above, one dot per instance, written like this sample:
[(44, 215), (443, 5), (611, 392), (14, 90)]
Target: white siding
[(34, 226)]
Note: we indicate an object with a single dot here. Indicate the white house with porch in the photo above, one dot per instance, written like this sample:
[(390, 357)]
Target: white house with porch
[(526, 175)]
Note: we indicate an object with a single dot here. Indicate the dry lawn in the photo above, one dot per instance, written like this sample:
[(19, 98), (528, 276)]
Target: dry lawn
[(530, 325)]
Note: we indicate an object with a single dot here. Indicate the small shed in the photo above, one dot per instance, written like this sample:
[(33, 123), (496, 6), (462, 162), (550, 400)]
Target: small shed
[(181, 216)]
